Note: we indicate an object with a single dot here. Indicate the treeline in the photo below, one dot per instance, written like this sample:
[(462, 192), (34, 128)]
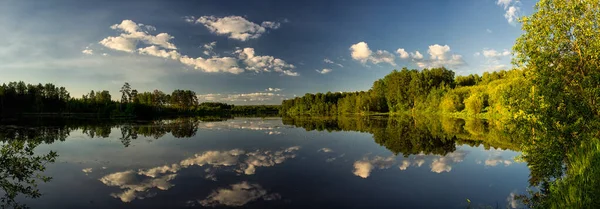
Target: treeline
[(429, 90), (18, 98)]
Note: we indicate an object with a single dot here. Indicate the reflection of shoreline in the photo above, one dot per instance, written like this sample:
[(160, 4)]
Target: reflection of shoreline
[(137, 185)]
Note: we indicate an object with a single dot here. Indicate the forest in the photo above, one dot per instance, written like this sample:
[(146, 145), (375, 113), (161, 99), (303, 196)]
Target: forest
[(435, 90), (19, 98)]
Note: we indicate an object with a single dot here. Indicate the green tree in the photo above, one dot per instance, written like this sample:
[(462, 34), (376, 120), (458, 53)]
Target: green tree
[(560, 47)]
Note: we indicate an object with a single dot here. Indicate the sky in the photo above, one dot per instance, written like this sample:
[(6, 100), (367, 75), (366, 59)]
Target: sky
[(249, 52)]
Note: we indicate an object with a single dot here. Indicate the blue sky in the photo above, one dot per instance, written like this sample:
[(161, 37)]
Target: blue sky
[(251, 52)]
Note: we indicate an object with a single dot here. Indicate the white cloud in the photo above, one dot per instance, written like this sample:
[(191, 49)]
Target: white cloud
[(402, 53), (209, 49), (364, 167), (497, 160), (159, 46), (273, 132), (493, 58), (332, 62), (270, 24), (440, 56), (237, 195), (134, 186), (405, 164), (236, 27), (213, 64), (324, 71), (491, 53), (504, 3), (512, 201), (511, 8), (119, 43), (137, 185), (88, 51), (86, 170), (189, 19), (157, 52), (417, 55), (264, 63), (444, 164), (273, 89), (361, 52), (383, 56), (132, 33), (512, 14), (325, 149), (488, 30)]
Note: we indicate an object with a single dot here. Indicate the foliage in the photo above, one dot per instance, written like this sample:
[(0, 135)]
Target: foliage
[(430, 90), (20, 171)]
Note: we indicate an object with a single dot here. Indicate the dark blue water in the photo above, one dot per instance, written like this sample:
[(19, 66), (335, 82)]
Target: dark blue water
[(262, 163)]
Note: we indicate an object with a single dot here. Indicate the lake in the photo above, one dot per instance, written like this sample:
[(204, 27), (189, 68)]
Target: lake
[(276, 163)]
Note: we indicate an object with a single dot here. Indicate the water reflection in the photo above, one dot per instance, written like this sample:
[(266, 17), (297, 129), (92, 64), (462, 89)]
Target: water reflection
[(263, 163), (236, 195), (20, 168), (137, 184)]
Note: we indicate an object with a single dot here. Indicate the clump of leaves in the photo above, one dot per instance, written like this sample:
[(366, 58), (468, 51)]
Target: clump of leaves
[(21, 171)]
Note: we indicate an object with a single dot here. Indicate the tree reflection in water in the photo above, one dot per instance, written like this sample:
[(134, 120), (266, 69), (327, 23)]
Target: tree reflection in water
[(20, 168), (564, 168)]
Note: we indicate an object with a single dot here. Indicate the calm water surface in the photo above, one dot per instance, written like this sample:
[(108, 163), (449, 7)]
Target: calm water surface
[(270, 163)]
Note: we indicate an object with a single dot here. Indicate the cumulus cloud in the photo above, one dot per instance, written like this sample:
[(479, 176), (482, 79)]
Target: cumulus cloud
[(405, 164), (88, 51), (235, 27), (417, 55), (213, 64), (157, 52), (439, 56), (444, 164), (324, 71), (364, 167), (362, 53), (402, 53), (237, 195), (132, 33), (512, 14), (496, 160), (264, 63), (511, 8), (135, 187), (160, 46)]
